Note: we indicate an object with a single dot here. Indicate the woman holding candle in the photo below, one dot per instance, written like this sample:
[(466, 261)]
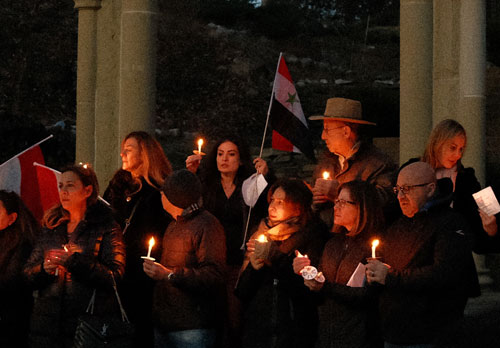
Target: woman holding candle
[(279, 310), (78, 249), (344, 311), (134, 194), (222, 173), (18, 228)]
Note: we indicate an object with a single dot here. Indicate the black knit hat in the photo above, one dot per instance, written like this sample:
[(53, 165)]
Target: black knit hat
[(182, 188)]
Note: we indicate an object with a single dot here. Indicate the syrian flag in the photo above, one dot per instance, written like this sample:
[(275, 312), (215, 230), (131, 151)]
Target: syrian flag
[(26, 175), (290, 129)]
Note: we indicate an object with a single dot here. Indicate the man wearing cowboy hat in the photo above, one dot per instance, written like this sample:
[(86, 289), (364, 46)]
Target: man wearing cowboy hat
[(350, 157)]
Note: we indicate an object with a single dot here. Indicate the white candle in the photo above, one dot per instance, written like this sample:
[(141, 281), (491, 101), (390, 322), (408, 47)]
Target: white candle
[(200, 142), (151, 243), (374, 246)]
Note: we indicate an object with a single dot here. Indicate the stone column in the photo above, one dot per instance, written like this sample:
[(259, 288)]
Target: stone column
[(472, 82), (86, 79), (137, 81), (472, 97), (446, 41), (416, 77)]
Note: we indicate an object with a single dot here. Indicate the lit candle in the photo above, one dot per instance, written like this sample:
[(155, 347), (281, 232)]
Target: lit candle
[(374, 246), (200, 142), (300, 255), (326, 175), (262, 238), (151, 243)]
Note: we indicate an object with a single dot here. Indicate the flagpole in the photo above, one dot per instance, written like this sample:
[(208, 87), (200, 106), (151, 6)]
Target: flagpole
[(270, 104), (262, 148), (29, 148)]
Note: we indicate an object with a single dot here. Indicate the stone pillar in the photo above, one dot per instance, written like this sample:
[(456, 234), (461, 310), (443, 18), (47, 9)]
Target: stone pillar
[(137, 81), (416, 77), (86, 79), (472, 97), (446, 41), (472, 82)]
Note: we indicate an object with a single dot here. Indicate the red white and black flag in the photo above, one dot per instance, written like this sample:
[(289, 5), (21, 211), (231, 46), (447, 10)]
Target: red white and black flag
[(290, 129)]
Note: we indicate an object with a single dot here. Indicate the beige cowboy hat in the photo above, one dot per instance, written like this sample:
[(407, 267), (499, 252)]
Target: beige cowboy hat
[(344, 110)]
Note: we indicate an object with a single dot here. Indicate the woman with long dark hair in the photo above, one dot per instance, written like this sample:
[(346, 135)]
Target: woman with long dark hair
[(134, 195), (222, 173), (18, 229), (78, 249), (344, 311)]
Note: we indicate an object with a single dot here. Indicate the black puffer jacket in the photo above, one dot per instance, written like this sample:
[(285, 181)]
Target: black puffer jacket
[(59, 300)]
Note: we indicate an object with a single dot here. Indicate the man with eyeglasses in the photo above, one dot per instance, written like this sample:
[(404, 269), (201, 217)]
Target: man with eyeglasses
[(350, 157), (426, 270)]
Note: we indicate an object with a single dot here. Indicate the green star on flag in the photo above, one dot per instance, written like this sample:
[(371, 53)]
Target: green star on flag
[(292, 98)]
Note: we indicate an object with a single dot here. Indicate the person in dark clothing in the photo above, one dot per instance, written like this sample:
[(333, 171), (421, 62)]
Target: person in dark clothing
[(222, 174), (189, 290), (350, 157), (279, 310), (134, 195), (347, 312), (18, 229), (444, 151), (425, 275), (76, 252)]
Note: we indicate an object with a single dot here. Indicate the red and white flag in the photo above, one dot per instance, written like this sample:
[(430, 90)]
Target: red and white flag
[(290, 129), (36, 184)]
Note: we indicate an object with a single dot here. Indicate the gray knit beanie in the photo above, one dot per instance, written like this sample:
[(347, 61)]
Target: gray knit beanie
[(182, 188)]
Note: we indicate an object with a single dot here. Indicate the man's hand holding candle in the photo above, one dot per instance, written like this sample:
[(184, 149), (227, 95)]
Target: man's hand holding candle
[(324, 189), (156, 270)]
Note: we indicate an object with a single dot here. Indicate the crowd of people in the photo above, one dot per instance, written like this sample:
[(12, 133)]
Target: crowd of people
[(298, 269)]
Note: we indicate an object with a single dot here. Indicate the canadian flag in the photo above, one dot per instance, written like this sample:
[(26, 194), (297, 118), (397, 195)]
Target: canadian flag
[(27, 175), (290, 129)]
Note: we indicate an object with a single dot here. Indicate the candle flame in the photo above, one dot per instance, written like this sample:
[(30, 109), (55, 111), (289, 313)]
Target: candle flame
[(262, 239), (200, 142), (375, 243), (151, 242), (65, 248), (326, 175)]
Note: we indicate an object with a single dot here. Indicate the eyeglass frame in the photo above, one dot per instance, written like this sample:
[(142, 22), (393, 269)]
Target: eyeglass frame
[(405, 189), (342, 202), (327, 130)]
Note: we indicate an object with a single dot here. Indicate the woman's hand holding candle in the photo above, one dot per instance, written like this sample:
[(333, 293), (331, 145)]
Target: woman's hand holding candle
[(376, 271), (256, 263), (193, 162), (299, 262)]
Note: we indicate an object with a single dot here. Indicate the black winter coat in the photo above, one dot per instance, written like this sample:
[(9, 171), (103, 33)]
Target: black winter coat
[(15, 295), (60, 299), (346, 314), (280, 311)]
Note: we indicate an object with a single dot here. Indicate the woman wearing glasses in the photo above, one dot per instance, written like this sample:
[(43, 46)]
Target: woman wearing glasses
[(345, 311)]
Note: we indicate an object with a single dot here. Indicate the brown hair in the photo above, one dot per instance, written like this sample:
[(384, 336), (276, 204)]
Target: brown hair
[(57, 215), (296, 192), (370, 215), (443, 131), (155, 166)]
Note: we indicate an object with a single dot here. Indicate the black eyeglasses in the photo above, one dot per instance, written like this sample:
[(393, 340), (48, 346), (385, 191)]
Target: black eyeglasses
[(406, 188), (342, 202), (327, 130)]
